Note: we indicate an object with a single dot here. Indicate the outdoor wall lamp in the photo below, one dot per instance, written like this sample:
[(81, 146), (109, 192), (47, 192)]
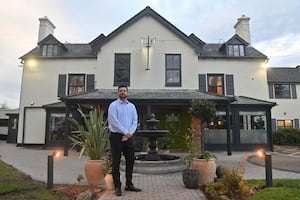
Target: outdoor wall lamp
[(51, 157), (268, 166), (147, 43)]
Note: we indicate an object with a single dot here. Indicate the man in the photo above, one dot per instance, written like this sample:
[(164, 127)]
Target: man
[(122, 122)]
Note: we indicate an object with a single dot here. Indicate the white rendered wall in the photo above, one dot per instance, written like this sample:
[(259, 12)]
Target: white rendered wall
[(40, 86)]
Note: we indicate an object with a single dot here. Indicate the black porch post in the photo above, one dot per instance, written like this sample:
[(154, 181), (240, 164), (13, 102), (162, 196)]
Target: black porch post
[(67, 130), (229, 153)]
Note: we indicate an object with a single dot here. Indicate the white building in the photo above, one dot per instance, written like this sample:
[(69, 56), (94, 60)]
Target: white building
[(164, 69)]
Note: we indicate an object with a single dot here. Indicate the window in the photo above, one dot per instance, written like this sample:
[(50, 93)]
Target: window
[(216, 83), (122, 69), (50, 50), (282, 91), (236, 50), (173, 70), (253, 127), (76, 84), (284, 124), (57, 126)]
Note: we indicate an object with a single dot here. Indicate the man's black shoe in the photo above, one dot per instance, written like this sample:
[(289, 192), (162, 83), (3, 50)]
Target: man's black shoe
[(132, 188), (118, 191)]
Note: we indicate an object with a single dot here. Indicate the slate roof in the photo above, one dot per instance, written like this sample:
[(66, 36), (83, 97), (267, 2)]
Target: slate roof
[(147, 95), (243, 100), (283, 75), (162, 96), (202, 49)]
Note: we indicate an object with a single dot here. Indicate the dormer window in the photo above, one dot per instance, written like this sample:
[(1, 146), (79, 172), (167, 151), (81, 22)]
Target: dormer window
[(50, 50), (236, 50)]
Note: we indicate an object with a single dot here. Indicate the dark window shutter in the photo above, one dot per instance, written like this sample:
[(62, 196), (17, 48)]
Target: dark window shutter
[(202, 82), (273, 125), (229, 84), (90, 83), (271, 91), (62, 84), (296, 121), (294, 93)]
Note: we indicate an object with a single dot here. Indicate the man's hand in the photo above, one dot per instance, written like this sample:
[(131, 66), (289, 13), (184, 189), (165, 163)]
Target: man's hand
[(124, 138)]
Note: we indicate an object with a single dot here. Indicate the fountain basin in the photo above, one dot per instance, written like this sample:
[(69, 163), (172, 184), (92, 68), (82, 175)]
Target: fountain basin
[(166, 164)]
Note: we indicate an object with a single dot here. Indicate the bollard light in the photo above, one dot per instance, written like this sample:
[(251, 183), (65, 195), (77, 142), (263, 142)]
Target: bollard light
[(268, 166), (50, 162)]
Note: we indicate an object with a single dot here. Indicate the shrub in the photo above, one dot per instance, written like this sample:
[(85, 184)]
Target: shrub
[(287, 136)]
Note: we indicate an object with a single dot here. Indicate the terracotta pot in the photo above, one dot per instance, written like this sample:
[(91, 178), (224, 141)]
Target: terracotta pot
[(94, 173), (207, 169), (191, 178), (109, 183)]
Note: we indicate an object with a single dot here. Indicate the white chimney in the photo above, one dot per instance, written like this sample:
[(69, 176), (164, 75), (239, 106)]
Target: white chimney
[(46, 28), (242, 28)]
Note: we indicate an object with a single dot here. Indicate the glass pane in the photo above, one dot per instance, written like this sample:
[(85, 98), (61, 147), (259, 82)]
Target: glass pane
[(253, 127), (44, 52), (236, 50), (76, 80), (242, 53), (173, 76), (56, 128), (230, 50), (282, 91)]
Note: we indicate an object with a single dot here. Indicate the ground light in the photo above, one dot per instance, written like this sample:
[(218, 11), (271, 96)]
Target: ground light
[(51, 157), (268, 166)]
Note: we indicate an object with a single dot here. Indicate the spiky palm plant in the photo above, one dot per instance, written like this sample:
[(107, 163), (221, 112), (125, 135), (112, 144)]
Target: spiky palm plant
[(93, 137)]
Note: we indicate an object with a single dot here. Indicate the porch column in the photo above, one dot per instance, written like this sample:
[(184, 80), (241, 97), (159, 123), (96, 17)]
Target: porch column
[(67, 130), (229, 153)]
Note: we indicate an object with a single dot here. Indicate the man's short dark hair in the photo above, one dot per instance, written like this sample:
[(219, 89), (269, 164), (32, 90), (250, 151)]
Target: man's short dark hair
[(125, 86)]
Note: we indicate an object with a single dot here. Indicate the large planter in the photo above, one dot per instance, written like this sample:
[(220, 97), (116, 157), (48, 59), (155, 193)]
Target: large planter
[(94, 173), (191, 178), (207, 169)]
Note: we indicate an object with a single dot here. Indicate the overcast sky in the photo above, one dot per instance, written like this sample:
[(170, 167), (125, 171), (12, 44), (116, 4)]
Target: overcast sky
[(274, 27)]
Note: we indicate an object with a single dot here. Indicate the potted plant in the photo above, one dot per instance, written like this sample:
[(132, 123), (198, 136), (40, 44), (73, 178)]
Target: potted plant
[(93, 139), (202, 111), (205, 163)]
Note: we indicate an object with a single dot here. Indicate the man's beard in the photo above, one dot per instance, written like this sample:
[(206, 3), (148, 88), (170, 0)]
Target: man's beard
[(123, 97)]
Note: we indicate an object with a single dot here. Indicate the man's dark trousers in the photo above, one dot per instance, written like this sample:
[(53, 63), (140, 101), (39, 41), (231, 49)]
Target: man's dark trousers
[(117, 147)]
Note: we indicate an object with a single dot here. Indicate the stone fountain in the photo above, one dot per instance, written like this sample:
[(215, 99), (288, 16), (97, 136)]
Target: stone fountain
[(152, 162), (152, 134)]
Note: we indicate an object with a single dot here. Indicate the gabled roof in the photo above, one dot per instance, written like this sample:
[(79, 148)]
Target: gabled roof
[(236, 39), (202, 49), (50, 39), (100, 40), (283, 75)]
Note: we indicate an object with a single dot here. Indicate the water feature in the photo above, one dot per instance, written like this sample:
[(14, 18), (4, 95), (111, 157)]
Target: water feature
[(153, 162)]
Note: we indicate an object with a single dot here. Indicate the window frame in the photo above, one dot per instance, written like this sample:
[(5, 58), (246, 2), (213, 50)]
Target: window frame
[(50, 50), (277, 96), (125, 68), (222, 82), (284, 122), (236, 50), (173, 68), (82, 86)]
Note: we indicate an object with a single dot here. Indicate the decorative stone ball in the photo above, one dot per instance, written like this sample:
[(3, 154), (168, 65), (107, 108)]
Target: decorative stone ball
[(221, 170)]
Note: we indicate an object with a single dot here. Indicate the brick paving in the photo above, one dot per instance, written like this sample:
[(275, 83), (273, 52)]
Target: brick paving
[(157, 187)]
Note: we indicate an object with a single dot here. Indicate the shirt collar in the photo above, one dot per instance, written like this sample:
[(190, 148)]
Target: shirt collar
[(121, 102)]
